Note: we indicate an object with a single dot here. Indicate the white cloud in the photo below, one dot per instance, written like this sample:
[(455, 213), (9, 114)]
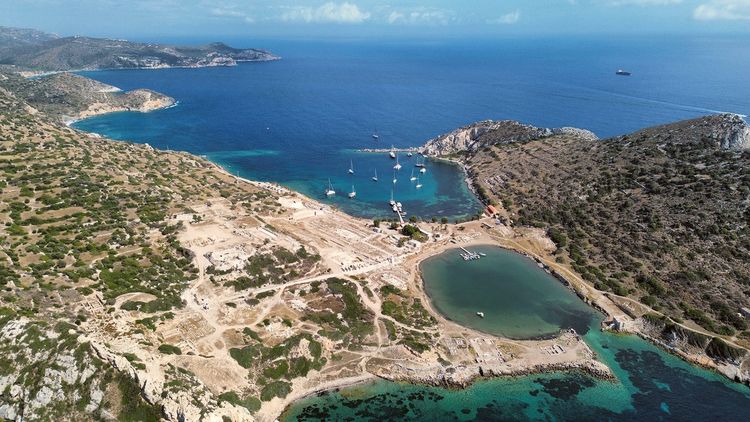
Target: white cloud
[(421, 15), (231, 13), (328, 13), (507, 19), (723, 10), (643, 2)]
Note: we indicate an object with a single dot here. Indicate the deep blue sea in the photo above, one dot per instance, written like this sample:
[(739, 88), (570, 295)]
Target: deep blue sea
[(298, 121)]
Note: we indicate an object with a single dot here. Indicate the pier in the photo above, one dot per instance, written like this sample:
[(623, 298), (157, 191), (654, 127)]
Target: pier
[(468, 255)]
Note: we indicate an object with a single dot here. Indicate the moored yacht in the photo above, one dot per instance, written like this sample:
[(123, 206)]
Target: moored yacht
[(375, 178), (351, 167), (330, 191), (392, 154), (397, 166), (353, 193)]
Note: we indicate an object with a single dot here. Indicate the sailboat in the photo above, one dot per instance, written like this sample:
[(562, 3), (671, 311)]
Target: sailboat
[(351, 167), (419, 163), (409, 154), (392, 154), (397, 166), (412, 176), (330, 191), (375, 178), (394, 176), (391, 202), (353, 193), (375, 135), (419, 184), (423, 170)]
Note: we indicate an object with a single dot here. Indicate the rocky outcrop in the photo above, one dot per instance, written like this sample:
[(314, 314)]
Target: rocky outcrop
[(489, 132), (197, 404), (722, 131), (462, 376)]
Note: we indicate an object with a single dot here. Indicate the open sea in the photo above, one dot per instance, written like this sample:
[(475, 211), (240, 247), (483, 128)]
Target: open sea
[(300, 121)]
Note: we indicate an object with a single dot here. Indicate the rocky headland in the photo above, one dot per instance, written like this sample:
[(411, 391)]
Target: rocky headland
[(35, 51)]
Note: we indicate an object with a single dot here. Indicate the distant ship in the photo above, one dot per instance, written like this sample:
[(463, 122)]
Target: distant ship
[(351, 167), (622, 72), (392, 154), (375, 178)]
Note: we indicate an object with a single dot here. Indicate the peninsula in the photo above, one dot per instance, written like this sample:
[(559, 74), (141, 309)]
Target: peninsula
[(36, 51)]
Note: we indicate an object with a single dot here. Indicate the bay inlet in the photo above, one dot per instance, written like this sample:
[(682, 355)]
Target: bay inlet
[(522, 301)]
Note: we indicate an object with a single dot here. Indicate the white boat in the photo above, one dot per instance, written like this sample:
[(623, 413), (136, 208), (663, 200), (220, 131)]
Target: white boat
[(423, 170), (392, 202), (409, 154), (480, 314), (419, 163), (330, 191), (351, 167), (353, 193), (375, 178), (419, 184), (392, 153), (375, 135), (413, 178), (394, 177), (397, 166)]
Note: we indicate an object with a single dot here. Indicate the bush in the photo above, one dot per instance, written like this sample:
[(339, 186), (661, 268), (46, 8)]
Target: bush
[(275, 389), (169, 349)]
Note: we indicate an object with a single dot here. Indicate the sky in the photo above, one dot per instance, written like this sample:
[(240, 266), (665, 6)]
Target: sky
[(137, 19)]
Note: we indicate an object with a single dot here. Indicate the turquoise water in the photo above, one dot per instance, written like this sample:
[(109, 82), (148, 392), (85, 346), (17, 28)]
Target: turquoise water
[(650, 385), (518, 300), (297, 121)]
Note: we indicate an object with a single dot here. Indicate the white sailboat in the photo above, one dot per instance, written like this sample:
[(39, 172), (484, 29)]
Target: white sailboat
[(409, 154), (375, 178), (392, 154), (419, 184), (419, 163), (423, 170), (397, 166), (391, 202), (413, 178), (375, 135), (330, 191), (351, 167), (353, 193), (394, 176)]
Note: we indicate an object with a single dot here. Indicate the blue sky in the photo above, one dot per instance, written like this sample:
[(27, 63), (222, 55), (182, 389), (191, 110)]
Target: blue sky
[(374, 18)]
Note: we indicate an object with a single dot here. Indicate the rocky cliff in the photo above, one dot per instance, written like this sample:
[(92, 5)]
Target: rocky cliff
[(724, 131), (489, 132)]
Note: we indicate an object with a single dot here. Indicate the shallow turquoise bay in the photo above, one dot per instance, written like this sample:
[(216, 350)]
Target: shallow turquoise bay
[(651, 384)]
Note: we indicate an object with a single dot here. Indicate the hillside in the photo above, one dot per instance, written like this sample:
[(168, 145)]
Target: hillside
[(661, 216), (34, 50), (67, 96)]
